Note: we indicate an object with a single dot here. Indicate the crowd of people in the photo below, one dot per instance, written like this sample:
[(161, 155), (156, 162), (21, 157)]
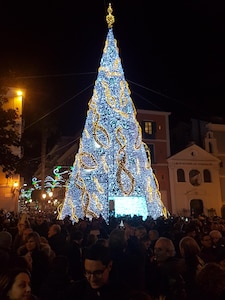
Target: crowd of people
[(43, 258)]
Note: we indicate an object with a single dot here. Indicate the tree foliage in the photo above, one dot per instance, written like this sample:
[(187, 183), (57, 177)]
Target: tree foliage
[(9, 136)]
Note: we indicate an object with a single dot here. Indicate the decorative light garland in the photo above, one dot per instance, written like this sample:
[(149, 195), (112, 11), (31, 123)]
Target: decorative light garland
[(111, 163)]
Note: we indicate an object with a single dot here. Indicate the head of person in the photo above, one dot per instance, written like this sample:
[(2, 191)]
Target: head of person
[(25, 233), (146, 242), (97, 265), (77, 236), (215, 225), (140, 231), (53, 230), (153, 234), (190, 230), (164, 249), (211, 281), (215, 235), (15, 284), (33, 242), (130, 227), (39, 219), (188, 247), (117, 240), (22, 224), (206, 240), (5, 240)]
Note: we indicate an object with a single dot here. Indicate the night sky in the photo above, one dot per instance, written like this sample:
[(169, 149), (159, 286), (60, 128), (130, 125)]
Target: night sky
[(172, 53)]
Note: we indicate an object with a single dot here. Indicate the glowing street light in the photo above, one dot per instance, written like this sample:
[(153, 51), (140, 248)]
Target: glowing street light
[(19, 93)]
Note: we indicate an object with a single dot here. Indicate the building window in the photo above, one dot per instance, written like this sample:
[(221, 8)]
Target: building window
[(149, 129), (195, 177), (180, 175), (207, 176)]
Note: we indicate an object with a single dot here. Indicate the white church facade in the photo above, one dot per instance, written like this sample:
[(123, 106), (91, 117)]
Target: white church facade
[(195, 182)]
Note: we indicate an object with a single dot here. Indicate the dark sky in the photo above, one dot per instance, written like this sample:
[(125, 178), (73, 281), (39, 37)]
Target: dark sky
[(172, 54)]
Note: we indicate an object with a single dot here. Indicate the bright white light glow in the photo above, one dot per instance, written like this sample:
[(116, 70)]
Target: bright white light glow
[(119, 167), (131, 206)]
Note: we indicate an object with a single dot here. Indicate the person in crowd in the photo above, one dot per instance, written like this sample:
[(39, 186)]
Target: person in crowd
[(129, 259), (75, 255), (216, 225), (57, 280), (36, 260), (15, 285), (164, 275), (97, 283), (41, 225), (5, 249), (190, 229), (210, 282), (90, 240), (146, 243), (207, 251), (22, 224), (98, 227), (129, 228), (140, 231), (191, 264), (44, 245), (25, 233), (153, 236), (218, 244), (57, 240)]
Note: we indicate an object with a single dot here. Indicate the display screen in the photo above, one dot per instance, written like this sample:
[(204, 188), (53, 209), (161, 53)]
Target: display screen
[(128, 206)]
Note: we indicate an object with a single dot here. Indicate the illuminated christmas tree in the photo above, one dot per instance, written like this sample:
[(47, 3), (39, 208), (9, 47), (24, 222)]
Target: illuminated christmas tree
[(112, 171)]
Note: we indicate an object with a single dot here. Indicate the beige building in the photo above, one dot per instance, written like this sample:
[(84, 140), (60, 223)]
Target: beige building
[(195, 182), (9, 187)]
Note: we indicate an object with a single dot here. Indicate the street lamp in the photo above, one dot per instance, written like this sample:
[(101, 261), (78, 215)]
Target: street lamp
[(19, 93)]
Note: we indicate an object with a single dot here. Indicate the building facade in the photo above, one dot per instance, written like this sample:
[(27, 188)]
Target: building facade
[(156, 135), (194, 182), (10, 186)]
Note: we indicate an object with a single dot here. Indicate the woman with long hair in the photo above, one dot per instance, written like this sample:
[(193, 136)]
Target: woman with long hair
[(15, 285), (192, 263), (36, 259)]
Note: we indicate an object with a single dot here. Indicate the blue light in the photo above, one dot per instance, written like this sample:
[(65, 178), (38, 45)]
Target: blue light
[(111, 162)]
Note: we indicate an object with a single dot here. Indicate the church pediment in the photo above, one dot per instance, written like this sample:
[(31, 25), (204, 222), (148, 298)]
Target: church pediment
[(193, 154)]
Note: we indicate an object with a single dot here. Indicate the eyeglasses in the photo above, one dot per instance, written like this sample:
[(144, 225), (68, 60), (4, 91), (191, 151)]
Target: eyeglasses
[(97, 274)]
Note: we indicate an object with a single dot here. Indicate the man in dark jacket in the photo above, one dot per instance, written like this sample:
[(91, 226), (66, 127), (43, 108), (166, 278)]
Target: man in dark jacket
[(97, 283), (57, 240)]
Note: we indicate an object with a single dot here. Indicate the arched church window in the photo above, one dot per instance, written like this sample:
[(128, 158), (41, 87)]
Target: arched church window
[(180, 175), (207, 176)]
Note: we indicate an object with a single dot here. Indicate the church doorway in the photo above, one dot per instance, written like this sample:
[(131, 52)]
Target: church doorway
[(196, 207)]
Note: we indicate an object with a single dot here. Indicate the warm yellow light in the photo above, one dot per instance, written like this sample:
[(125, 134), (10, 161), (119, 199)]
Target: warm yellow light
[(19, 93), (15, 184), (44, 196), (50, 194)]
